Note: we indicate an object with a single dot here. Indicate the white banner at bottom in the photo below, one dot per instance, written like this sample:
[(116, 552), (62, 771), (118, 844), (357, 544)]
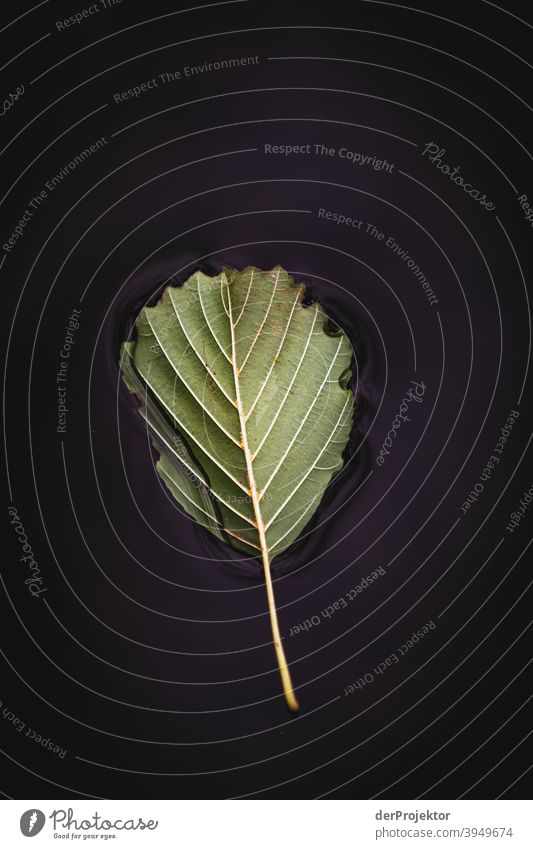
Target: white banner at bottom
[(264, 824)]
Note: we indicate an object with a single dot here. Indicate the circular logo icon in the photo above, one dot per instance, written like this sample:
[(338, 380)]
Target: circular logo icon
[(32, 822)]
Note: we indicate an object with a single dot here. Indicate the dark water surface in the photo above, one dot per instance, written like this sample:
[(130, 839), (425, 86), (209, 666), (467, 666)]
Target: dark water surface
[(148, 658)]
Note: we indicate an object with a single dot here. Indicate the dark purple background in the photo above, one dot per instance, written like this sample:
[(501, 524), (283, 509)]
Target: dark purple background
[(151, 654)]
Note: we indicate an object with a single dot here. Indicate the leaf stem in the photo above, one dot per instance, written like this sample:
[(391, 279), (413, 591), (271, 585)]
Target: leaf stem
[(288, 691)]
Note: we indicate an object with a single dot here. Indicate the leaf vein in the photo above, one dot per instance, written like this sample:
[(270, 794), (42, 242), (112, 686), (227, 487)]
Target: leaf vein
[(188, 388), (202, 360), (196, 440), (215, 337), (246, 298), (314, 466), (256, 337), (283, 400)]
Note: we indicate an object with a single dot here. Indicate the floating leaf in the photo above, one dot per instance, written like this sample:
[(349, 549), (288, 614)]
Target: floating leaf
[(245, 392)]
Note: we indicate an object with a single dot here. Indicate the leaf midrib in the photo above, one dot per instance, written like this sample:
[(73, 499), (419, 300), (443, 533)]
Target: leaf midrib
[(244, 436)]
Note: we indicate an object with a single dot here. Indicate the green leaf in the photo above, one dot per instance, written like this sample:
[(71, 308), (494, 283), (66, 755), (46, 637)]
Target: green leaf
[(245, 393)]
